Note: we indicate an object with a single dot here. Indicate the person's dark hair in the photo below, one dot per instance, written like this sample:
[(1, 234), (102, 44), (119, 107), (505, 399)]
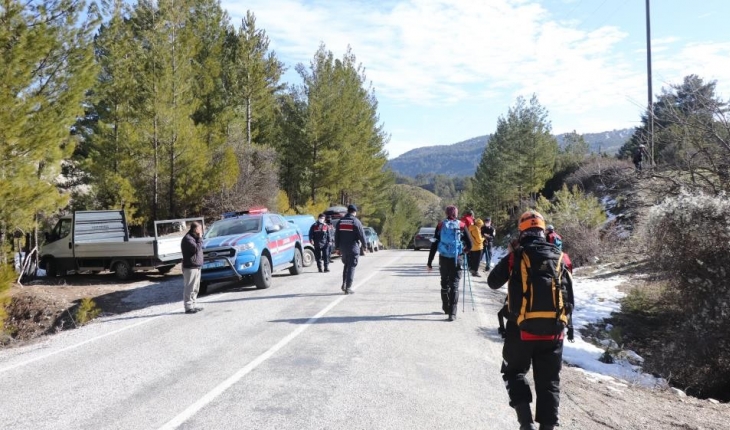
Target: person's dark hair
[(320, 216), (194, 225)]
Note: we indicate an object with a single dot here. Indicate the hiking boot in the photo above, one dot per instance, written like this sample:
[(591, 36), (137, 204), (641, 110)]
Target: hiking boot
[(477, 275), (326, 270), (547, 427), (452, 317), (348, 290), (343, 287), (319, 269), (193, 310), (524, 417)]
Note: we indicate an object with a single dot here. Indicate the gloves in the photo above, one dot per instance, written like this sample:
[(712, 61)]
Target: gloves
[(570, 333), (502, 332)]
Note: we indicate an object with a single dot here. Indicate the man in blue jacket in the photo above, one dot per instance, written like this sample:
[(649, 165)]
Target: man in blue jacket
[(349, 238), (320, 235)]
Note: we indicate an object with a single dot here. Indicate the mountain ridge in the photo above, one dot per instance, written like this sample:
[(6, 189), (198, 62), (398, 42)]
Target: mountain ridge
[(461, 158)]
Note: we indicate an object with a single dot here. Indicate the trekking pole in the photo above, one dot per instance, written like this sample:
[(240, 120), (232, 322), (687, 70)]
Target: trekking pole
[(472, 295)]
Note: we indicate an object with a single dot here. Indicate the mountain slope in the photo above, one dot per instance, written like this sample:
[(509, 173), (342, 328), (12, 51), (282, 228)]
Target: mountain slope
[(462, 158)]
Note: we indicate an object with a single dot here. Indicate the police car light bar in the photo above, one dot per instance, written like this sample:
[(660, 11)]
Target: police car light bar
[(256, 210)]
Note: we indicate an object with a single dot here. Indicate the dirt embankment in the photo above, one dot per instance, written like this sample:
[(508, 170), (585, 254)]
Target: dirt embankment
[(48, 305)]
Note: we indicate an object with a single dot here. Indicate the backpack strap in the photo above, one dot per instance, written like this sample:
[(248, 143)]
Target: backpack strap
[(526, 281), (559, 299)]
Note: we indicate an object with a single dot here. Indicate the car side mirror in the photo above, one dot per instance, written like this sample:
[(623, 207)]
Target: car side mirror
[(273, 229)]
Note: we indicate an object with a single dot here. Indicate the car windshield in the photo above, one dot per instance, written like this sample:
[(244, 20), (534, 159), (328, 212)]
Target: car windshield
[(229, 227), (430, 230), (368, 233)]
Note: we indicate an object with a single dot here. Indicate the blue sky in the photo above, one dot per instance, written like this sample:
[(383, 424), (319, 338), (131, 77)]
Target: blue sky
[(445, 70)]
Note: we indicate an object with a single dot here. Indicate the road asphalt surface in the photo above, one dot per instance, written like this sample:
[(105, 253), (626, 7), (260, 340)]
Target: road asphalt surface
[(299, 355)]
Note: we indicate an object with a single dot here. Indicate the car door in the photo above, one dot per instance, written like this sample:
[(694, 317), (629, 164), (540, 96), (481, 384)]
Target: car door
[(273, 238), (289, 237)]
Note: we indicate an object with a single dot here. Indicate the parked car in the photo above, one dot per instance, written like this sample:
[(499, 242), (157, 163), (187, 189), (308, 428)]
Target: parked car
[(373, 241), (251, 246), (304, 222), (422, 239)]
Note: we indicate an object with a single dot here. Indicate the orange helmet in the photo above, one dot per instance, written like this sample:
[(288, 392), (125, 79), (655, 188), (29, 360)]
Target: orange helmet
[(531, 219)]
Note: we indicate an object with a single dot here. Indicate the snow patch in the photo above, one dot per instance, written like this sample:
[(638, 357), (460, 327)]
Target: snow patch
[(596, 300)]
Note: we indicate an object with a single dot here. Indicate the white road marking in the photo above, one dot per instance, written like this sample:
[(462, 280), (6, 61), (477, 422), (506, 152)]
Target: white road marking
[(68, 348), (228, 383)]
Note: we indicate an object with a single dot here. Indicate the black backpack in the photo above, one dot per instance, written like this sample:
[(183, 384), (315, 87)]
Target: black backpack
[(535, 296)]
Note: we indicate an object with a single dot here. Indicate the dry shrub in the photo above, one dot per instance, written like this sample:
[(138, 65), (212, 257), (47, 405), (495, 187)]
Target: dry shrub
[(602, 173), (688, 238), (581, 242)]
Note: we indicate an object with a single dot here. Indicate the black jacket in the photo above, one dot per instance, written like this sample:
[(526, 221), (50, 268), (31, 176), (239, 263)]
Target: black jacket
[(320, 234), (192, 251), (488, 232), (465, 240), (349, 234)]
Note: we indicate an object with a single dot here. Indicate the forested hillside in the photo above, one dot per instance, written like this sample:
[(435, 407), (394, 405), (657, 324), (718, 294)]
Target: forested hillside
[(461, 159)]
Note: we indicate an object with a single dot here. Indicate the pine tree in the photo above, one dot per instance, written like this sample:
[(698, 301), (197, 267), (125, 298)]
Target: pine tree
[(519, 158), (46, 66)]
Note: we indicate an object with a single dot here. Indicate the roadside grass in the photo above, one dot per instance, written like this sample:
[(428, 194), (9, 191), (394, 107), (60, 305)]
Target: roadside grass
[(86, 311)]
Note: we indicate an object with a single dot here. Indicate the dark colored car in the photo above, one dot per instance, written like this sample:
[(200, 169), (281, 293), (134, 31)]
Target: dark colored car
[(422, 239)]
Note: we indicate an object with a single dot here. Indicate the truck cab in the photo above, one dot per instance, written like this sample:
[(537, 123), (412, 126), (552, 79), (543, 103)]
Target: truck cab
[(250, 245)]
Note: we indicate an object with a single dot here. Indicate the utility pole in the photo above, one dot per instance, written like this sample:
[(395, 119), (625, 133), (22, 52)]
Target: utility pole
[(650, 92)]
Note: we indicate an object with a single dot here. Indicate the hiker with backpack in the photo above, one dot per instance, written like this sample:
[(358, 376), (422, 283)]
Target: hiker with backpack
[(488, 233), (553, 237), (477, 241), (450, 240), (539, 306)]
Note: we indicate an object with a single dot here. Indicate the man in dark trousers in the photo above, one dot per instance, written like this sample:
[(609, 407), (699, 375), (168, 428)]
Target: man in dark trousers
[(523, 348), (192, 253), (320, 235), (349, 238), (451, 258), (488, 233)]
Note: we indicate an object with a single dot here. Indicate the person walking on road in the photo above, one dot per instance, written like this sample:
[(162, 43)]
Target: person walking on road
[(450, 239), (488, 233), (349, 239), (192, 252), (477, 245), (320, 234), (535, 327)]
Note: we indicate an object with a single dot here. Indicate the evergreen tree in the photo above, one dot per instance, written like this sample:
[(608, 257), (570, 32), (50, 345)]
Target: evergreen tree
[(518, 160), (46, 66)]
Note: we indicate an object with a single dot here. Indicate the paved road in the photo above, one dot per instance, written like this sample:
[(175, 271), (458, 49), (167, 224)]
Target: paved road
[(300, 355)]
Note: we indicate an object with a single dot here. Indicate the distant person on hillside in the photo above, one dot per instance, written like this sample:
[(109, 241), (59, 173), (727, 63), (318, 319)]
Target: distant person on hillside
[(553, 237), (319, 235), (477, 246), (450, 239), (535, 326), (640, 156), (349, 239), (489, 234)]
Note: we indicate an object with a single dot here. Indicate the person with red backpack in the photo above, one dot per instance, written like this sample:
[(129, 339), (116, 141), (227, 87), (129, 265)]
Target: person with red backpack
[(451, 240), (539, 305)]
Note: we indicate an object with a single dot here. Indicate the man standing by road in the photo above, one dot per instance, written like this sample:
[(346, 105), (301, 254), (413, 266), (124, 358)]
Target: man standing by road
[(534, 332), (450, 239), (192, 252), (349, 238), (320, 235)]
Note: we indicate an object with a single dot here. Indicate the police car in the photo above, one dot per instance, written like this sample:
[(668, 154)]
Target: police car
[(250, 244)]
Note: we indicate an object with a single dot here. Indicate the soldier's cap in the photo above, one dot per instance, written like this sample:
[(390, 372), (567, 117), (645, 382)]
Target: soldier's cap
[(352, 208)]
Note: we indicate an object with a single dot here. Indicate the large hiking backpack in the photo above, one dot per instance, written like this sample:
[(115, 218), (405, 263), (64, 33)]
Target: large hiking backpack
[(535, 296), (450, 245)]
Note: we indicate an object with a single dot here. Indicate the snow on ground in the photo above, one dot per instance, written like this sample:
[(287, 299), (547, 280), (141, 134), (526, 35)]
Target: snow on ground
[(595, 299)]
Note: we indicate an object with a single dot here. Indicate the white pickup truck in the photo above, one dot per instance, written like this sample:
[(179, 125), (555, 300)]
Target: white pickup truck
[(95, 241)]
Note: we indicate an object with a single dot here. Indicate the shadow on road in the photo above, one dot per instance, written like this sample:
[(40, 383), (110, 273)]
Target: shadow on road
[(410, 270), (490, 333), (281, 296), (354, 319)]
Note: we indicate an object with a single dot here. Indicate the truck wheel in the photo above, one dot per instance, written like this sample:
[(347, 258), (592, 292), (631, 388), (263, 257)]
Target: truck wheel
[(51, 269), (123, 270), (376, 249), (296, 267), (203, 290), (307, 257), (262, 278)]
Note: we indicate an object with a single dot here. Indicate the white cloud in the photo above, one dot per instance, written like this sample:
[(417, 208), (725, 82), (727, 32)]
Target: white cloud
[(446, 51)]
